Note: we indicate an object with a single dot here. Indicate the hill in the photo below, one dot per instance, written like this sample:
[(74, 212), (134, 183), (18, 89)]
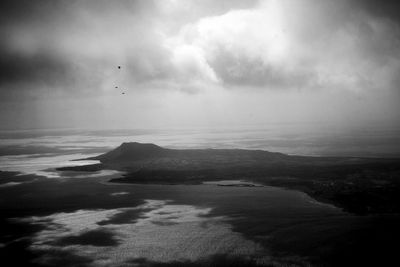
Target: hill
[(360, 185)]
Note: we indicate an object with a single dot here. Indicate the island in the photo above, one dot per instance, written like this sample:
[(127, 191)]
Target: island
[(358, 185)]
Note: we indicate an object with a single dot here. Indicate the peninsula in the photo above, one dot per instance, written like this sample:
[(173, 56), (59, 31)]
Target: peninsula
[(358, 185)]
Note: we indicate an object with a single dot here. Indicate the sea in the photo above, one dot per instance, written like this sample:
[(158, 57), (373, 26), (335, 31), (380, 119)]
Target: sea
[(57, 218)]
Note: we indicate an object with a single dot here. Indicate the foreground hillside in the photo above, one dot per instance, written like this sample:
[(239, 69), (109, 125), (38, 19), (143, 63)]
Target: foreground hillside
[(359, 185)]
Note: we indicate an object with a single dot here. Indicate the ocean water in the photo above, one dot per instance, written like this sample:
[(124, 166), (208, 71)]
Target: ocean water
[(39, 151), (118, 225), (80, 218)]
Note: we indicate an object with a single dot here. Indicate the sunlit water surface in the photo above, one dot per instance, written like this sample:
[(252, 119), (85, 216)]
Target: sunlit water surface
[(155, 223)]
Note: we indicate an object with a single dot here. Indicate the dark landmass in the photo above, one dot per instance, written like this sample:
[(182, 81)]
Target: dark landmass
[(84, 168), (358, 185)]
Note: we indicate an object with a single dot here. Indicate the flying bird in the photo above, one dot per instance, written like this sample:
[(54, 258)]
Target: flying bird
[(119, 67)]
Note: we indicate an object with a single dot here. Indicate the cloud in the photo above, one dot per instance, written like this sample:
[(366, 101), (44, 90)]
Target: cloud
[(280, 45), (73, 48), (389, 9), (244, 47), (18, 68)]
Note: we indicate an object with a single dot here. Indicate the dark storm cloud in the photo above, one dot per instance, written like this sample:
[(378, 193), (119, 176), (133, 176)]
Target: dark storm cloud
[(74, 46), (23, 10), (44, 67), (17, 66), (45, 43), (58, 59), (387, 9)]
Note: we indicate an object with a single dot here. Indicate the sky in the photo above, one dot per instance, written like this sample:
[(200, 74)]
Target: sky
[(198, 63)]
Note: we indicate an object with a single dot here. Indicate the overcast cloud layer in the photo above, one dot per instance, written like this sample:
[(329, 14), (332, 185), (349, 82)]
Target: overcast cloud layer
[(51, 51)]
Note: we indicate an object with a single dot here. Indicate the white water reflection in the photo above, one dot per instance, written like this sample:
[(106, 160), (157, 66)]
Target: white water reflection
[(43, 165), (157, 231)]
